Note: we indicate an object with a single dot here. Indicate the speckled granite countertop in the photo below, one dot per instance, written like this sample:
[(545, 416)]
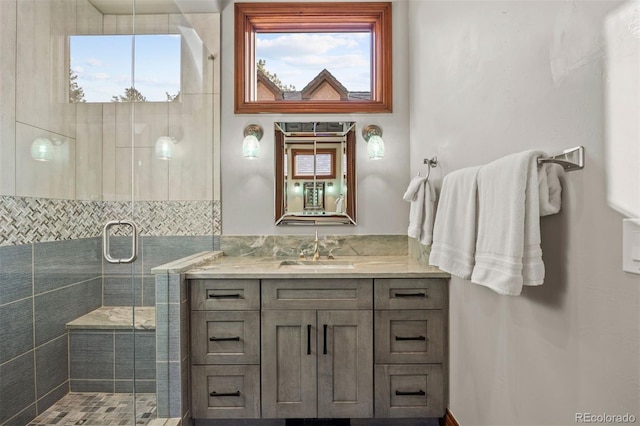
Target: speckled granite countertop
[(340, 267)]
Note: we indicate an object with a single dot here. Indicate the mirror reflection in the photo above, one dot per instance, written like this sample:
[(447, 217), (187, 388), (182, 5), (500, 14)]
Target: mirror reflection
[(315, 173)]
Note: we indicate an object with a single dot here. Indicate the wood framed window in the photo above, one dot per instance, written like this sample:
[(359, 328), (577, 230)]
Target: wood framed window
[(256, 92)]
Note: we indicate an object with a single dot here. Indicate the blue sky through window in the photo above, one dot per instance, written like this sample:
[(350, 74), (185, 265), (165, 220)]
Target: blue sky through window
[(103, 65), (296, 58)]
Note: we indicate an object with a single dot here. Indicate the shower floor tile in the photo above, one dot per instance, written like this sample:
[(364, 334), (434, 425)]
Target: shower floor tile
[(99, 409)]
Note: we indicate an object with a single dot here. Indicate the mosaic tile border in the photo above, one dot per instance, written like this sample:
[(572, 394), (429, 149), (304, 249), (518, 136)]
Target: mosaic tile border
[(25, 220)]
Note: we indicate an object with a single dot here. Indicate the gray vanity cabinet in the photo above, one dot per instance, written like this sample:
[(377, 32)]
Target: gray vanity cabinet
[(318, 348), (410, 334), (317, 362), (225, 348)]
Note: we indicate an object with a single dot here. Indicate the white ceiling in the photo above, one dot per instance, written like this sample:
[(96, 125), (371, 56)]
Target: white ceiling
[(147, 7)]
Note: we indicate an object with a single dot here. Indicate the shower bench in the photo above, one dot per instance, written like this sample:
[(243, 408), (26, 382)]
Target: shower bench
[(101, 350)]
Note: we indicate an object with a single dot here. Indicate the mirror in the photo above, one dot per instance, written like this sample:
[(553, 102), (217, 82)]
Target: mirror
[(315, 173)]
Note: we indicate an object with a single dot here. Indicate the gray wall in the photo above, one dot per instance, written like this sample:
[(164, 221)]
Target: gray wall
[(248, 186), (493, 78)]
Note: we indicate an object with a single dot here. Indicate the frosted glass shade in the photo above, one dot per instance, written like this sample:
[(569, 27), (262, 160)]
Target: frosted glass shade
[(375, 147), (42, 149), (250, 147), (164, 148)]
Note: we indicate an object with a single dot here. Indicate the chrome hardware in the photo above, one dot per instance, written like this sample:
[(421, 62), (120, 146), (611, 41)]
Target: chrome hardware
[(316, 251), (106, 237)]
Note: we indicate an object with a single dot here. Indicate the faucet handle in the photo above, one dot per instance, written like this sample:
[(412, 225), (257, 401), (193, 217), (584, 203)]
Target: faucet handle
[(301, 256), (330, 255)]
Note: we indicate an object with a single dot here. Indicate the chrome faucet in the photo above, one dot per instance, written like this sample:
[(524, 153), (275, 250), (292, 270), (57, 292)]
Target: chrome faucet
[(316, 251)]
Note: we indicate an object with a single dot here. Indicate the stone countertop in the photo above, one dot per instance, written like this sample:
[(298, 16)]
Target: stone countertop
[(340, 267)]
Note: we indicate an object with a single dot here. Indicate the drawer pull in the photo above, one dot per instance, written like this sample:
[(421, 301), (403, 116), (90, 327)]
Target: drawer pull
[(224, 339), (418, 393), (308, 339), (424, 294), (224, 296), (236, 393), (324, 348), (411, 338)]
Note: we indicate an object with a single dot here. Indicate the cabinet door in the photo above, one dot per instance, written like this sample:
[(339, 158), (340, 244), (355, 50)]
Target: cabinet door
[(289, 364), (345, 364)]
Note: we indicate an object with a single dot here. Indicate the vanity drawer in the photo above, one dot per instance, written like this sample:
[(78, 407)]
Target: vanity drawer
[(408, 293), (225, 337), (317, 294), (409, 391), (225, 392), (409, 336), (225, 295)]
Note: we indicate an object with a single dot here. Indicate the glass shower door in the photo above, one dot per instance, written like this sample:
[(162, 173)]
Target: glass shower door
[(135, 154)]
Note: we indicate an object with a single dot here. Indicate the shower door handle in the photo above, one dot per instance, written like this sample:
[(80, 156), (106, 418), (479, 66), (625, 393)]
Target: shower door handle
[(106, 237)]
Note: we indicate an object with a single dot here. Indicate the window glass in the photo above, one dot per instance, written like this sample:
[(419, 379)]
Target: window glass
[(100, 68)]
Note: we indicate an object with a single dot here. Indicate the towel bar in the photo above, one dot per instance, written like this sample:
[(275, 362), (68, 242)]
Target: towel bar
[(571, 159)]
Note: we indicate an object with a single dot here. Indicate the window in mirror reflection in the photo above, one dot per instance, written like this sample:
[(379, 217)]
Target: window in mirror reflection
[(306, 165), (100, 68), (313, 66)]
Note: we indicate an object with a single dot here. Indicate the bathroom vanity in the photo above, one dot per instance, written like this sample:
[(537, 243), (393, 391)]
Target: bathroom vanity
[(357, 337)]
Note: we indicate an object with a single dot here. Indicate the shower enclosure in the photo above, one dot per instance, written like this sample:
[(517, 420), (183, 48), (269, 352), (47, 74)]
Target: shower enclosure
[(109, 131)]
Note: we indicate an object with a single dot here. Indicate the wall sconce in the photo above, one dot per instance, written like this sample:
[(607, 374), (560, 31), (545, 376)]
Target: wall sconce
[(330, 187), (164, 147), (42, 148), (296, 187), (372, 134), (251, 143)]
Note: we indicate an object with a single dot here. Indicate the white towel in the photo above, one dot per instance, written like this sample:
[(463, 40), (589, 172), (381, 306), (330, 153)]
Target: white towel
[(508, 253), (422, 197), (454, 230)]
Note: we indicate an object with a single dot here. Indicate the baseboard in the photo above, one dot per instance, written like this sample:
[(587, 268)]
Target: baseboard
[(448, 419)]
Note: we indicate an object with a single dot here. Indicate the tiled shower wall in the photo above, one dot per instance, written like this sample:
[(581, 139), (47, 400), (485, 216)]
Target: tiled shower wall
[(51, 271)]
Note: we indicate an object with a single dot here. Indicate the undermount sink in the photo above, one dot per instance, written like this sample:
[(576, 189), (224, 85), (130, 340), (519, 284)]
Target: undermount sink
[(316, 264)]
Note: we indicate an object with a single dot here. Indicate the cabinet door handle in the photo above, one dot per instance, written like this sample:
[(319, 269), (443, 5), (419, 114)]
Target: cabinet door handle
[(308, 339), (324, 347), (236, 393), (422, 294), (411, 338), (418, 392), (224, 296), (224, 339)]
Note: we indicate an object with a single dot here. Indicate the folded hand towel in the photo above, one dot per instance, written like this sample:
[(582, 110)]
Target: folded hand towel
[(508, 253), (549, 188), (430, 200), (454, 230), (422, 197), (414, 186)]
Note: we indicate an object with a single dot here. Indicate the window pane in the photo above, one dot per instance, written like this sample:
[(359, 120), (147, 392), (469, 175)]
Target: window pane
[(304, 165), (313, 66), (100, 68)]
